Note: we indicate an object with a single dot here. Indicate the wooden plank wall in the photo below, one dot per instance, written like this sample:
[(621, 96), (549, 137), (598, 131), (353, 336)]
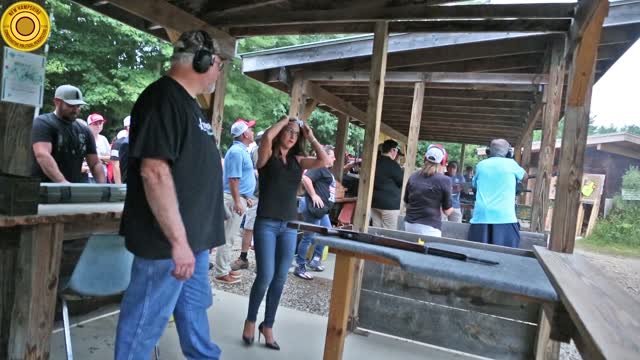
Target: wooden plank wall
[(446, 313)]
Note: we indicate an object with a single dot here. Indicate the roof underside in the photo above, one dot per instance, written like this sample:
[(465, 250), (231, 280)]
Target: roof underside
[(426, 38), (453, 112)]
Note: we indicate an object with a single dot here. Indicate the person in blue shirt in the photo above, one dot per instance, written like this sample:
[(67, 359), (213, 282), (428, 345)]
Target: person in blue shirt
[(456, 187), (494, 216), (239, 184)]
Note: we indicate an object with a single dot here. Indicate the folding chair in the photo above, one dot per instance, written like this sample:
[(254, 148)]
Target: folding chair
[(104, 269)]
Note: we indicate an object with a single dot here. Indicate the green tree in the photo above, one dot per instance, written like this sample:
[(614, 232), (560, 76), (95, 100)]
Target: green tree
[(110, 62)]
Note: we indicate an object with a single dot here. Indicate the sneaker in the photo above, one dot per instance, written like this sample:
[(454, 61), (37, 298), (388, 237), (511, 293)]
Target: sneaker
[(302, 273), (316, 265), (227, 279), (235, 274), (239, 264)]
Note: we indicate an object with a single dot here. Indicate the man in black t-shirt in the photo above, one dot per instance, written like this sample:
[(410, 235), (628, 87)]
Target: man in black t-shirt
[(387, 186), (173, 212), (120, 154), (60, 143)]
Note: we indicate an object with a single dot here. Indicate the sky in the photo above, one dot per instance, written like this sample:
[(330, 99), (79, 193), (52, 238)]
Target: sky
[(616, 96)]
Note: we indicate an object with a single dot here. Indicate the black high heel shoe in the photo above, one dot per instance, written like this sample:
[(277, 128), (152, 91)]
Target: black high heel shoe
[(274, 345), (248, 341)]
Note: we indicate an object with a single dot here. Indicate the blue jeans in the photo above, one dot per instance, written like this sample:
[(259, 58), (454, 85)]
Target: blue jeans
[(152, 296), (274, 245), (307, 238)]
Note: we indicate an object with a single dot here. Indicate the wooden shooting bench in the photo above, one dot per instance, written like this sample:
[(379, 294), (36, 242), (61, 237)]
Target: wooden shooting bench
[(474, 308), (516, 310), (30, 254), (600, 317)]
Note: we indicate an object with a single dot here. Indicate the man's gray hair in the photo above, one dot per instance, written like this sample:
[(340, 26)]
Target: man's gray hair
[(499, 147), (182, 58)]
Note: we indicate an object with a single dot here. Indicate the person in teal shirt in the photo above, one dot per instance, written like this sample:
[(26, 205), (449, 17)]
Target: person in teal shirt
[(494, 215)]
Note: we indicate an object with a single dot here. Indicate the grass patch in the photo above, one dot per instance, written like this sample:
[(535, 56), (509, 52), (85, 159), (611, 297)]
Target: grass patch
[(619, 233)]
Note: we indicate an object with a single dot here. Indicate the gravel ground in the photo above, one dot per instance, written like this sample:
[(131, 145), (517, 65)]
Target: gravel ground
[(304, 295), (313, 296)]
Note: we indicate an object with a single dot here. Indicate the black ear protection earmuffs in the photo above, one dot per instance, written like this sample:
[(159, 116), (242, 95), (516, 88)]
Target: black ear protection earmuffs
[(203, 58)]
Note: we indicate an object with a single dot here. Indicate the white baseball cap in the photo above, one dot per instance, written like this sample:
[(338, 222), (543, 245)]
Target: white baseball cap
[(240, 126)]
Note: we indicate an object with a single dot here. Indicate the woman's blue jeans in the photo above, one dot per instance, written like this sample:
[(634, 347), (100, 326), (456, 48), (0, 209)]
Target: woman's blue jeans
[(274, 245), (307, 238)]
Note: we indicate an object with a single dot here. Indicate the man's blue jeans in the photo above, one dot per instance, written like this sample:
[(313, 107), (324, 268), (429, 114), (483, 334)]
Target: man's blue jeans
[(152, 296), (307, 238), (274, 245)]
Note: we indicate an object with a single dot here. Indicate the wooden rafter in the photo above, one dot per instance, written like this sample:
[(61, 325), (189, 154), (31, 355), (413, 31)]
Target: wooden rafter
[(453, 26), (368, 13), (325, 97), (169, 16), (432, 77)]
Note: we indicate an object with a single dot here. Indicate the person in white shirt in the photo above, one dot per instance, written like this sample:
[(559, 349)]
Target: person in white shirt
[(96, 123)]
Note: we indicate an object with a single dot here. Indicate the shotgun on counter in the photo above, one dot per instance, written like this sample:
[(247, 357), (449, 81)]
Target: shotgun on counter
[(387, 242)]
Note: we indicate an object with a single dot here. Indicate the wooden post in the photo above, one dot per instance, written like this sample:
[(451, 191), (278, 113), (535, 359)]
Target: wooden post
[(463, 147), (37, 271), (344, 290), (216, 104), (527, 143), (309, 107), (574, 136), (15, 125), (551, 117), (546, 349), (296, 108), (342, 134), (412, 142)]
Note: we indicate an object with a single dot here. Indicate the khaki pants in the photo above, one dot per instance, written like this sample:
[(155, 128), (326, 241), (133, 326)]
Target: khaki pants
[(231, 232), (386, 219)]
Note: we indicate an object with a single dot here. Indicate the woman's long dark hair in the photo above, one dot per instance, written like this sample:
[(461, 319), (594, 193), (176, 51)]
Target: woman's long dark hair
[(297, 149)]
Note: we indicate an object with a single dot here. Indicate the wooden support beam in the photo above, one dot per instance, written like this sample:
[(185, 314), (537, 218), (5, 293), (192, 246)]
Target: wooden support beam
[(170, 16), (371, 13), (480, 105), (434, 26), (296, 107), (462, 154), (309, 107), (341, 298), (574, 136), (37, 271), (464, 95), (342, 135), (217, 103), (432, 77), (223, 9), (325, 97), (550, 119), (370, 155), (412, 140)]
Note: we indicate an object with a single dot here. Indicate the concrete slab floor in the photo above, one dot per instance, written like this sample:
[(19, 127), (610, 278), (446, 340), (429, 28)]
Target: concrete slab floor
[(300, 335)]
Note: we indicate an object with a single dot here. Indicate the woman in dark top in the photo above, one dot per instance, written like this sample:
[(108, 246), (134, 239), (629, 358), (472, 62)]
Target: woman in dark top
[(428, 191), (281, 161)]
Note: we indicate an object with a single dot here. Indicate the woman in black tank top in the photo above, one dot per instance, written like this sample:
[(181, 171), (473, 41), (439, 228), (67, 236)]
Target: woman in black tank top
[(281, 161)]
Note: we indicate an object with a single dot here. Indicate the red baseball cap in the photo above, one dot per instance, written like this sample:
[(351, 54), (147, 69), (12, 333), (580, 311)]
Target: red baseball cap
[(240, 126), (95, 117)]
